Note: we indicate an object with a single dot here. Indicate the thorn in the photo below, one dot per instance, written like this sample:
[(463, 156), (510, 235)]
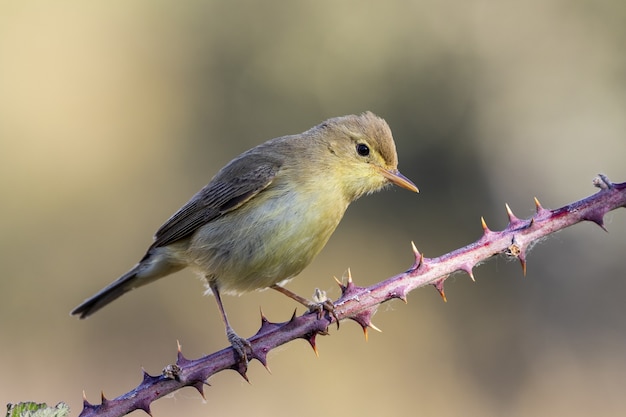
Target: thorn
[(420, 262), (180, 358), (343, 287), (262, 357), (415, 251), (469, 272), (539, 208), (146, 376), (267, 325), (484, 225), (87, 404), (509, 212), (293, 316), (439, 287), (145, 406), (311, 341), (374, 327), (598, 219), (419, 258), (514, 221), (349, 285), (522, 261), (199, 386), (242, 372), (371, 326), (364, 317), (103, 399)]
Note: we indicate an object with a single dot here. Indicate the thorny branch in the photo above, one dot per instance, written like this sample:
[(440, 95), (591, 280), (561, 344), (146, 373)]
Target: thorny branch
[(360, 304)]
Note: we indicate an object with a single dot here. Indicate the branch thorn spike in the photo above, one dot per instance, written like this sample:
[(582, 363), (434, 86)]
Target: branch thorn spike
[(343, 287), (419, 263), (146, 376), (242, 371), (349, 285), (311, 341), (539, 208), (470, 272), (180, 358), (370, 324), (522, 261), (145, 406), (415, 251), (199, 386), (513, 219), (87, 404), (419, 257), (439, 287), (103, 399), (261, 356), (484, 225), (509, 212), (597, 218)]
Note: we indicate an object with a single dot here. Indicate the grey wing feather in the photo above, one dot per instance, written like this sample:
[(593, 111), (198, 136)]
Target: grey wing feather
[(233, 186)]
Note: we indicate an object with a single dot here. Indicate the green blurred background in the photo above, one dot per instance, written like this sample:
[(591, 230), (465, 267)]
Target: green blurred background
[(112, 114)]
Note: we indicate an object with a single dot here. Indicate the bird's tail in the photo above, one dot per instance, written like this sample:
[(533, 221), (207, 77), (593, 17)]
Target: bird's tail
[(108, 294), (153, 266)]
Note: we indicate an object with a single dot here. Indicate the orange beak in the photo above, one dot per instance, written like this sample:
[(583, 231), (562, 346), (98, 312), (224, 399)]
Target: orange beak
[(398, 179)]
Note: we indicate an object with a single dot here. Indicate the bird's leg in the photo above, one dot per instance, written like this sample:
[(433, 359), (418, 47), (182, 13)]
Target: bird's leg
[(238, 343), (324, 304)]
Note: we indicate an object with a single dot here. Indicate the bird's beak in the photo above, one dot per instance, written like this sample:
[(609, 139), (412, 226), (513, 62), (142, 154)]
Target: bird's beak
[(398, 179)]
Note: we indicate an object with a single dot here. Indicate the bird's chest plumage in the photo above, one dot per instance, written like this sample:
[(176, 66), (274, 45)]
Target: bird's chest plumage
[(259, 245)]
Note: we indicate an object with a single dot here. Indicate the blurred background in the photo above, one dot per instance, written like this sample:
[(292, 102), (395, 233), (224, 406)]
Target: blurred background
[(112, 114)]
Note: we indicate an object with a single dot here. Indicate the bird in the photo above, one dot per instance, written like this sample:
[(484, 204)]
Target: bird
[(267, 213)]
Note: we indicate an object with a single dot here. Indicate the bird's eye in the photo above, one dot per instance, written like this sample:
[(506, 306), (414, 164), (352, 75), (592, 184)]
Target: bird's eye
[(362, 149)]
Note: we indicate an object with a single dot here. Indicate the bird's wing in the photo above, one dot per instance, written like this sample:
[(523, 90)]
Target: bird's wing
[(233, 186)]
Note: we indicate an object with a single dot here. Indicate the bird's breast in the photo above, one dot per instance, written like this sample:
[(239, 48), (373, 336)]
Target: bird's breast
[(269, 239)]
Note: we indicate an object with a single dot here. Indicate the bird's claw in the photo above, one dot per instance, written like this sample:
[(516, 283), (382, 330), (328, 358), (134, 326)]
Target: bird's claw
[(323, 304), (240, 345)]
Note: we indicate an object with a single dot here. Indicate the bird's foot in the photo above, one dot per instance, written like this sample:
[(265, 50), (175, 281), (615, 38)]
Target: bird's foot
[(321, 303), (240, 345)]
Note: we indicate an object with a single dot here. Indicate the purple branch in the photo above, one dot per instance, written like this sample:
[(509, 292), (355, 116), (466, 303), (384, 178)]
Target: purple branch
[(360, 304)]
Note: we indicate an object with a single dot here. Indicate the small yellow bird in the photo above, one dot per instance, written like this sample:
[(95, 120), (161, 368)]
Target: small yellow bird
[(264, 216)]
